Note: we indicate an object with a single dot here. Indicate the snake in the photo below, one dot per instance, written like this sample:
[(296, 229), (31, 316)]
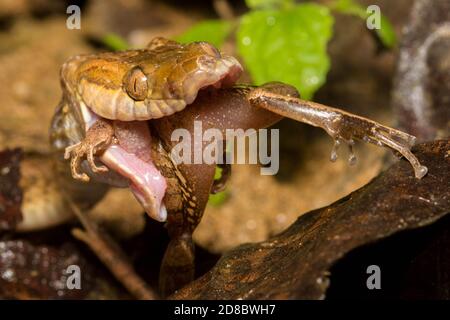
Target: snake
[(114, 125)]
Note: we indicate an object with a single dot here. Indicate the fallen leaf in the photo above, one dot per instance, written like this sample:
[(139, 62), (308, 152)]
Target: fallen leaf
[(295, 264)]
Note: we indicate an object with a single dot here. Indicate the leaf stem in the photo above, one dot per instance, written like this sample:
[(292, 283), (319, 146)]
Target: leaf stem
[(223, 9)]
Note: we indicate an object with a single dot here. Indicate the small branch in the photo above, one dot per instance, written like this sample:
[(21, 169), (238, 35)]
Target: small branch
[(107, 250)]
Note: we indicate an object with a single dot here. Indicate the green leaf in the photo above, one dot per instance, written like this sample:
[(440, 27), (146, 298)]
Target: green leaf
[(288, 45), (219, 198), (115, 42), (386, 32), (216, 200), (349, 7), (268, 4), (212, 31), (217, 173)]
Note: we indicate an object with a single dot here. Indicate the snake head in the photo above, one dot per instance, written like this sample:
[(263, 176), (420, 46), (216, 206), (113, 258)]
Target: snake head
[(121, 90), (149, 83)]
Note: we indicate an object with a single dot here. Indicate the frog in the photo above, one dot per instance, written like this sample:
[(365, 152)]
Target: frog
[(114, 125)]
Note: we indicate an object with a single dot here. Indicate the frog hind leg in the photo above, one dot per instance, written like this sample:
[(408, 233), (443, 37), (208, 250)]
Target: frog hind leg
[(177, 267), (342, 126), (178, 264)]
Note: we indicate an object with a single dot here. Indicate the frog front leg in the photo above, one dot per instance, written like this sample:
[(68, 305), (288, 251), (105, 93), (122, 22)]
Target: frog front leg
[(342, 126), (97, 139)]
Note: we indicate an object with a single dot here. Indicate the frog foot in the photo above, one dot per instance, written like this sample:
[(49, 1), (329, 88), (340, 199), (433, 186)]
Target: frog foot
[(98, 138), (347, 127)]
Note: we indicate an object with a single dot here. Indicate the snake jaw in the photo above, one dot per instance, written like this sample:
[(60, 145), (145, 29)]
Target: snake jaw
[(220, 73), (174, 74)]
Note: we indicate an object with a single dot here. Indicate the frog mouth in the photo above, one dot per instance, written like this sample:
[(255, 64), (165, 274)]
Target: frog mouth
[(130, 163), (130, 157)]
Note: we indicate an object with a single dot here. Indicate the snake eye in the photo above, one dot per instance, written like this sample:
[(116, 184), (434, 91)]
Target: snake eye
[(135, 84)]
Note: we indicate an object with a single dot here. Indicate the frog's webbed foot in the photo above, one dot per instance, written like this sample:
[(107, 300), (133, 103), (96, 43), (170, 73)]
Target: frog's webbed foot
[(391, 139), (348, 127), (342, 126), (98, 137)]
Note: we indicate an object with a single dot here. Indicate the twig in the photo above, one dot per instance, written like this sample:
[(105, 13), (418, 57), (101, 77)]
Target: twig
[(111, 255)]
